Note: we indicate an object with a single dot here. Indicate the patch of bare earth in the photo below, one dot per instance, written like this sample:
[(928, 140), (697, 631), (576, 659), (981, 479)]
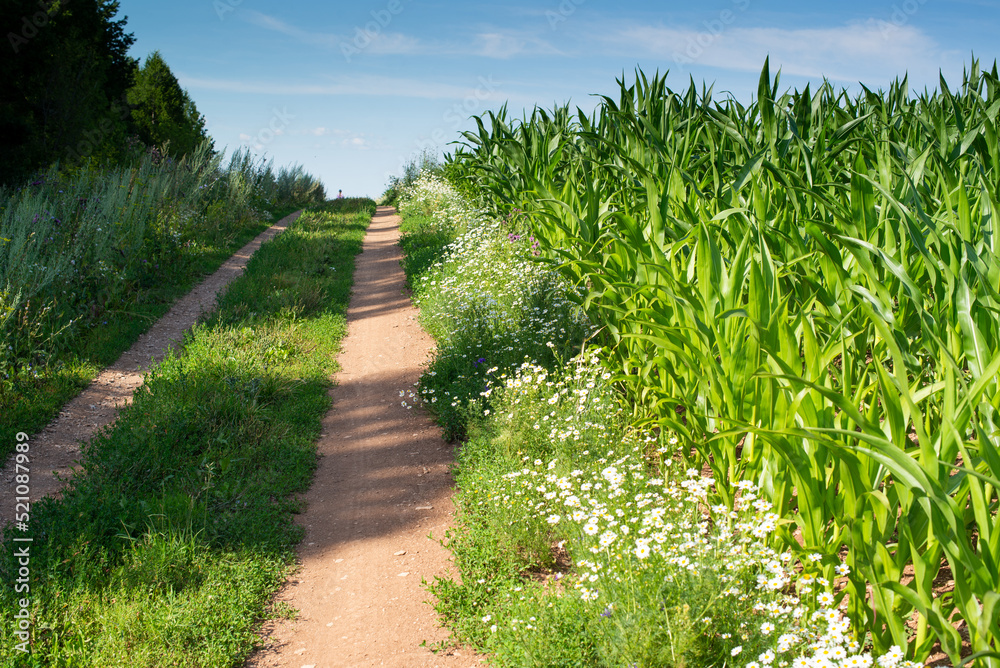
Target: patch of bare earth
[(54, 450), (382, 487)]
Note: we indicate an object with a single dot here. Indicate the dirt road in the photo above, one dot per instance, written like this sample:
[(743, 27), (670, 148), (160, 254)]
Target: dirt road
[(382, 486)]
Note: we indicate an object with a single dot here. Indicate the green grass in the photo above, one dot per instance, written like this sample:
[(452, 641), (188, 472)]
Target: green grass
[(423, 243), (168, 546), (90, 257), (31, 403)]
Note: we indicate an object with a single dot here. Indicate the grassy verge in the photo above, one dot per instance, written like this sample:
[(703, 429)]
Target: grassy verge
[(483, 298), (423, 242), (168, 546), (90, 258), (33, 401)]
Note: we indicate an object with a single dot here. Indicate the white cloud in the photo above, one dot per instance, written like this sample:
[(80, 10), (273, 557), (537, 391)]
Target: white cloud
[(355, 140), (504, 45), (869, 50), (245, 137), (487, 89), (372, 38)]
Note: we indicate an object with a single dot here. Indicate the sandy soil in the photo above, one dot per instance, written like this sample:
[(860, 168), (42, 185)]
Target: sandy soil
[(53, 451), (383, 485)]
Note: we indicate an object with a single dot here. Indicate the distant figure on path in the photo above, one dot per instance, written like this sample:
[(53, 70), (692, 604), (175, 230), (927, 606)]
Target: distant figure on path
[(340, 194)]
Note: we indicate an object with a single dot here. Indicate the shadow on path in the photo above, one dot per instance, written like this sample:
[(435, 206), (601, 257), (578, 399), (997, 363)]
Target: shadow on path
[(382, 485)]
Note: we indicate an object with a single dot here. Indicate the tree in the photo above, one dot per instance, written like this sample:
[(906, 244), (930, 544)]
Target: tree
[(66, 71), (162, 111)]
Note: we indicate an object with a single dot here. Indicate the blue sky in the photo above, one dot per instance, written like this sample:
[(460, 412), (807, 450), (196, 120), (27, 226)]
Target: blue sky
[(351, 91)]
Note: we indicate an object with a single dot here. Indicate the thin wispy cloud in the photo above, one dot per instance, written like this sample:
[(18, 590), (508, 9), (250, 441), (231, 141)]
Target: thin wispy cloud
[(869, 50), (355, 85), (488, 43), (508, 44), (380, 42)]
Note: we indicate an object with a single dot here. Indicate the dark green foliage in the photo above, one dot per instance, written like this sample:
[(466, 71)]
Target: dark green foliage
[(66, 71), (162, 112)]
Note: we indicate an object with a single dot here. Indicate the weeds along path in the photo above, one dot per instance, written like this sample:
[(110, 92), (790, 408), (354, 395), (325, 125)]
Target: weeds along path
[(54, 450), (382, 486)]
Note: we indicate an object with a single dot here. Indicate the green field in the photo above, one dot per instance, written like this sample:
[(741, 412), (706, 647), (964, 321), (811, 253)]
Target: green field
[(796, 297)]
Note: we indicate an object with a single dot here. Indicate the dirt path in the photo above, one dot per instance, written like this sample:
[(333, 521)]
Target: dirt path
[(54, 450), (382, 486)]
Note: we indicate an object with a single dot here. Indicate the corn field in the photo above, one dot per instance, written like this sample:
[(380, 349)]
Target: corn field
[(806, 290)]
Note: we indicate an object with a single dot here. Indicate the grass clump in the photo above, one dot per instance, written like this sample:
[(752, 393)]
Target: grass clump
[(166, 548), (483, 297)]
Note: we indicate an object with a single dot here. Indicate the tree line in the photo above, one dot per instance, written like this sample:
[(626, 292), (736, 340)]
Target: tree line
[(72, 94)]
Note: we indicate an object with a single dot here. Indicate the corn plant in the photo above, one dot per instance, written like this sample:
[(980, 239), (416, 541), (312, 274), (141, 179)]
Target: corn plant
[(806, 289)]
